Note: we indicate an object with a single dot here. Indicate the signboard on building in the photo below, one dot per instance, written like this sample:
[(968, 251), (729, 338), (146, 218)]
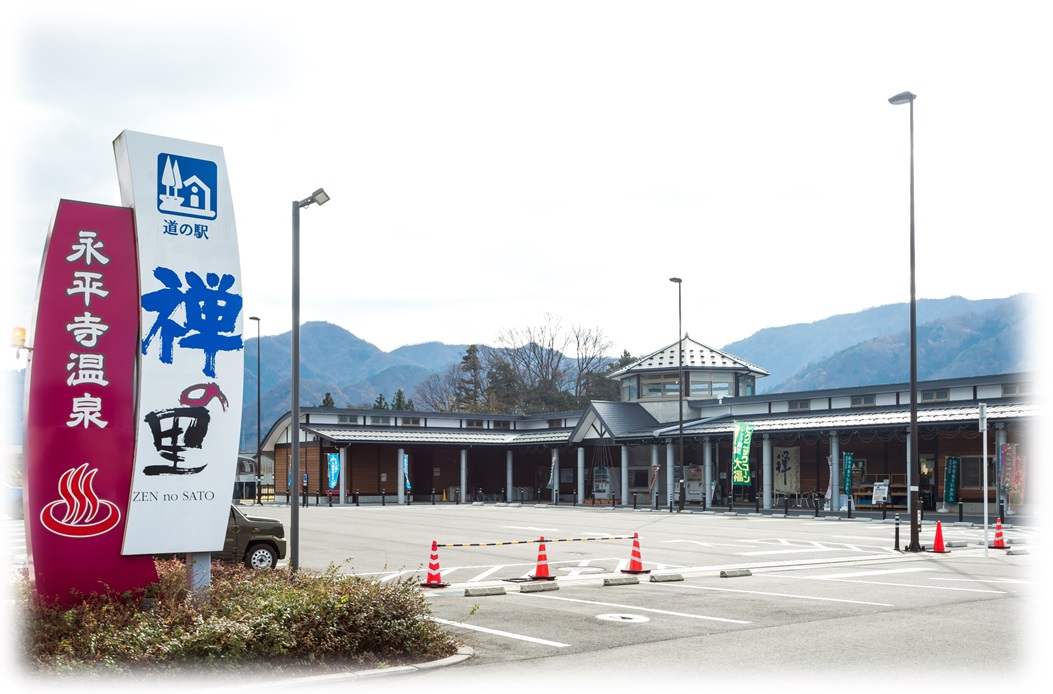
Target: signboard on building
[(950, 480), (80, 428), (334, 469), (740, 459), (846, 474), (191, 373)]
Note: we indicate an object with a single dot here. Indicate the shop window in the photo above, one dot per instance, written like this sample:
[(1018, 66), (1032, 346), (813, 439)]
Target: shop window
[(941, 395), (971, 472)]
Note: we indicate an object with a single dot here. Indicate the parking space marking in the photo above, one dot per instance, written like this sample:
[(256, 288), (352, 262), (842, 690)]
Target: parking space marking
[(636, 608), (767, 552), (834, 577), (777, 595), (881, 572), (491, 570), (506, 634)]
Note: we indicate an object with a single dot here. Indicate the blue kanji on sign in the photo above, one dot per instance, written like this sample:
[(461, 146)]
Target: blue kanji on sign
[(211, 315)]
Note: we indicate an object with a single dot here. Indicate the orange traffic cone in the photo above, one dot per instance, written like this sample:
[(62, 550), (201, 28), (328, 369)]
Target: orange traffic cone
[(635, 566), (938, 546), (434, 577), (999, 541), (541, 572)]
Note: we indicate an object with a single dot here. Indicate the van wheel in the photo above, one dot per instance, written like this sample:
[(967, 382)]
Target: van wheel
[(261, 557)]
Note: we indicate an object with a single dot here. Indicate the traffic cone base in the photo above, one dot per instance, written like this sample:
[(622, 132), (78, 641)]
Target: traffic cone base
[(999, 541), (541, 573), (938, 542), (434, 576), (635, 564)]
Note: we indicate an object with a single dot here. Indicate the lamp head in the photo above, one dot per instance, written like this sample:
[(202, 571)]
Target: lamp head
[(255, 318), (902, 98), (319, 197), (675, 279)]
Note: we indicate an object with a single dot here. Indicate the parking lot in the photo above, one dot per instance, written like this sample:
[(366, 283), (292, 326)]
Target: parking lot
[(727, 597)]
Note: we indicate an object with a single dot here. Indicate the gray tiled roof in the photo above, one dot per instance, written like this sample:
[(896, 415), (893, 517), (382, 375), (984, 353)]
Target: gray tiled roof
[(841, 419), (454, 437), (696, 356)]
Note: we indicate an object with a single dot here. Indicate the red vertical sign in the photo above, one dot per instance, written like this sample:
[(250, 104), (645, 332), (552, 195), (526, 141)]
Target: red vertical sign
[(80, 416)]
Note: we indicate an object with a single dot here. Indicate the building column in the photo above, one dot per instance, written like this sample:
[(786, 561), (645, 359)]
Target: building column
[(400, 476), (581, 474), (766, 471), (707, 471), (670, 464), (464, 474), (508, 475), (1001, 498), (555, 475), (343, 475), (625, 475), (652, 498), (835, 470)]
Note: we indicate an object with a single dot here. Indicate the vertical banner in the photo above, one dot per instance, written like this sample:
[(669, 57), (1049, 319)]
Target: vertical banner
[(846, 474), (740, 459), (950, 480), (1012, 479), (80, 416), (334, 469), (786, 466), (192, 363), (405, 471)]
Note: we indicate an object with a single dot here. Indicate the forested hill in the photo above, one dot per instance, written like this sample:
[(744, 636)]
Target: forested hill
[(956, 338)]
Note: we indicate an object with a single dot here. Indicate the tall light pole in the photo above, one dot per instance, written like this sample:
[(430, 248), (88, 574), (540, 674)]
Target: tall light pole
[(915, 462), (259, 440), (320, 197), (680, 389)]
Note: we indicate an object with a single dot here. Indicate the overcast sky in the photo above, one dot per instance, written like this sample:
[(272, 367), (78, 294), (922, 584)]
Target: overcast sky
[(493, 162)]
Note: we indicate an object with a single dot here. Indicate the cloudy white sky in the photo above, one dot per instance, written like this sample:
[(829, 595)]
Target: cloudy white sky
[(493, 162)]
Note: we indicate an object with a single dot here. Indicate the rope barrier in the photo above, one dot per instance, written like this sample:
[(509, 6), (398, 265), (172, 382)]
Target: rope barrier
[(534, 542)]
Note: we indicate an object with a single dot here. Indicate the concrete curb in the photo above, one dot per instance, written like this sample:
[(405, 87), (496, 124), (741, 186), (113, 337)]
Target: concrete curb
[(463, 653)]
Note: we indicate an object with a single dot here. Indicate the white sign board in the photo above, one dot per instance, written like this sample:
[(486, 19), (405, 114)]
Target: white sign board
[(190, 352)]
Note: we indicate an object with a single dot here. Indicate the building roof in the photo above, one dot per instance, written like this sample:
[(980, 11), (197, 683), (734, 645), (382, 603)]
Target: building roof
[(615, 420), (345, 434), (961, 414), (696, 356)]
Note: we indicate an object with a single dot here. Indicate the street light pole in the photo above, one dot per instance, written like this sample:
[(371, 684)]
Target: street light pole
[(259, 440), (680, 389), (915, 462), (319, 196)]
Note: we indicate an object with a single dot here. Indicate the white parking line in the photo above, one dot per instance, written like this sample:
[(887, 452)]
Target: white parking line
[(486, 573), (635, 608), (777, 595), (507, 634), (883, 572)]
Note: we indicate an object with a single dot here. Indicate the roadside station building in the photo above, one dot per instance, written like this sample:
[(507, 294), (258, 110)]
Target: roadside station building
[(626, 452)]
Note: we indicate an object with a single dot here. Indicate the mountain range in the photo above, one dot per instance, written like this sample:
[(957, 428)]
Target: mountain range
[(957, 338)]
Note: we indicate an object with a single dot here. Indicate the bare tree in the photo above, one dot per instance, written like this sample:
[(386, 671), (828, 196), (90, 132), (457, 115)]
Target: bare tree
[(438, 392), (590, 348)]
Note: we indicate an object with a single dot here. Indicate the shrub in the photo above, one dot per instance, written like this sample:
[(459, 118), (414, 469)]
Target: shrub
[(258, 621)]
